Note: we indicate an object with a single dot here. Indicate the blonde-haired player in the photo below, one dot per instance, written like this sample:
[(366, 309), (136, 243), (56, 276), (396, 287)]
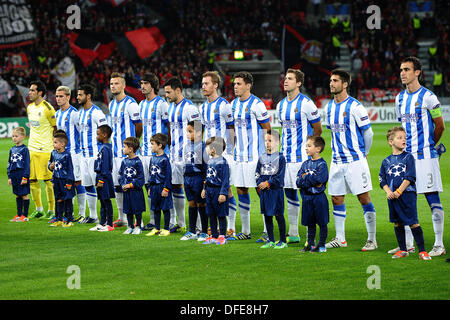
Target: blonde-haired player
[(41, 116)]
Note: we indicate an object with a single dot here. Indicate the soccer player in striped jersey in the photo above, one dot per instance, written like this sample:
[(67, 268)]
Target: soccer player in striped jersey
[(154, 116), (217, 118), (299, 118), (419, 112), (41, 116), (67, 120), (90, 118), (125, 121), (251, 119), (351, 139), (181, 111)]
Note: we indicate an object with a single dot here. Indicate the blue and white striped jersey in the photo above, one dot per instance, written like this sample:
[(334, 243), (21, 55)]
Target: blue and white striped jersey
[(249, 139), (296, 117), (123, 115), (216, 116), (347, 120), (413, 111), (67, 120), (154, 115), (179, 116), (89, 121)]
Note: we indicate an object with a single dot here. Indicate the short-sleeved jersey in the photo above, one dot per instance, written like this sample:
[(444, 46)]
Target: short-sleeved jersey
[(67, 120), (89, 121), (396, 168), (179, 116), (216, 116), (413, 111), (42, 120), (249, 139), (347, 120), (154, 115), (296, 117), (122, 118)]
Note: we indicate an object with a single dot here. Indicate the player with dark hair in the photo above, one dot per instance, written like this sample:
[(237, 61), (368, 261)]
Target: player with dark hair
[(299, 117), (41, 116), (154, 116), (90, 118), (251, 119), (181, 111), (418, 110), (351, 139)]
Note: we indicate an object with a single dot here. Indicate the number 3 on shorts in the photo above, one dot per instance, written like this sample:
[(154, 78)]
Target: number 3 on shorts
[(430, 180)]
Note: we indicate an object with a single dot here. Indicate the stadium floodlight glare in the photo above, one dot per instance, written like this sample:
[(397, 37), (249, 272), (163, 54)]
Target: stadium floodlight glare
[(238, 55)]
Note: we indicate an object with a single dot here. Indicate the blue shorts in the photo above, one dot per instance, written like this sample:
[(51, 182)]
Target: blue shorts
[(18, 189), (107, 191), (158, 202), (315, 209), (272, 202), (213, 207), (61, 191), (133, 201), (193, 186), (404, 209)]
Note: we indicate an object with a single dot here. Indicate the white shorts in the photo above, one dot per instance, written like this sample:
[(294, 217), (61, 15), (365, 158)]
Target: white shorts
[(244, 174), (290, 176), (428, 176), (146, 164), (117, 162), (231, 164), (353, 177), (76, 162), (177, 172), (88, 174)]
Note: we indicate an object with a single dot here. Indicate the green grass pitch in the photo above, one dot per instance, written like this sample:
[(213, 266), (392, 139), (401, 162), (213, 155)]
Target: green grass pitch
[(36, 259)]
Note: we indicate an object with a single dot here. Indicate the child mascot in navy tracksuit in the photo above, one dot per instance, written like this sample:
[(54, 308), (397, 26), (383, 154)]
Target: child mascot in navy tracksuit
[(312, 180)]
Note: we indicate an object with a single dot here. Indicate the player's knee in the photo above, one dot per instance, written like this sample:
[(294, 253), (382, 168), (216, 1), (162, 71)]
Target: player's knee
[(337, 200)]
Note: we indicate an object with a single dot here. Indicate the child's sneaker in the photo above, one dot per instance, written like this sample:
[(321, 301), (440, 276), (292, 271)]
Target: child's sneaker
[(230, 234), (96, 228), (36, 214), (106, 229), (67, 224), (319, 249), (164, 233), (15, 219), (424, 255), (268, 245), (128, 231), (202, 237), (264, 238), (280, 245), (56, 224), (189, 236), (210, 240), (137, 230), (152, 232), (221, 240), (306, 248), (410, 250), (400, 254), (23, 219)]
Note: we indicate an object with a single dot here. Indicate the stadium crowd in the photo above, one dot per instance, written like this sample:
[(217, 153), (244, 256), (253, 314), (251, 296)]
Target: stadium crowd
[(204, 26)]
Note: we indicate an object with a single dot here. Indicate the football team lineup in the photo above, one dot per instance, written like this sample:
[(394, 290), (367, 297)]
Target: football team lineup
[(177, 160)]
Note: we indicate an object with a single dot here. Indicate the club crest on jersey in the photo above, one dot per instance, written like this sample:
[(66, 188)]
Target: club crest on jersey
[(344, 114), (296, 110)]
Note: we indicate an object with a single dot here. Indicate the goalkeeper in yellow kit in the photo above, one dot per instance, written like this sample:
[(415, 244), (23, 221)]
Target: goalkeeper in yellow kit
[(41, 116)]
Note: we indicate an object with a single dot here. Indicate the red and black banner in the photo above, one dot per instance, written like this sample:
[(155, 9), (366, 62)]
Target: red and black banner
[(134, 45)]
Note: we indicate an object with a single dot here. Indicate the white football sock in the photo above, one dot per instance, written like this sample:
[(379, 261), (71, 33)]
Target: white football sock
[(437, 215), (293, 209), (371, 225), (179, 203), (119, 202), (92, 204), (81, 200), (339, 213), (231, 219), (408, 237)]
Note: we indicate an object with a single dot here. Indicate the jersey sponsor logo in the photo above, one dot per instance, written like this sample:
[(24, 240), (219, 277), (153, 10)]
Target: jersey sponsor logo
[(338, 127), (210, 124), (409, 117), (34, 123), (289, 124), (241, 123)]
